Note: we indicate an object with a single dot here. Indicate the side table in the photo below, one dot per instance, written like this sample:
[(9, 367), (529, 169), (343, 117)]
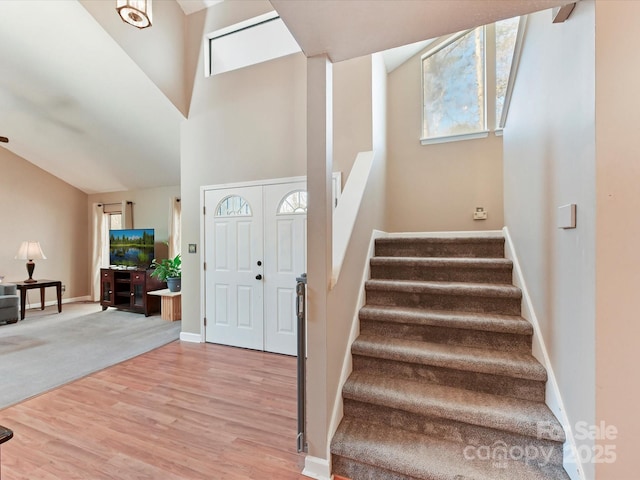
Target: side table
[(41, 284), (171, 307), (5, 436)]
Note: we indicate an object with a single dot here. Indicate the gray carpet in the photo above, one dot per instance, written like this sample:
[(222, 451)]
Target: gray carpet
[(47, 349)]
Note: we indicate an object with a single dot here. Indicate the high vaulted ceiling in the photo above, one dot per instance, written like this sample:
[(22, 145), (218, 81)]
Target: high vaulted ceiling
[(345, 29), (75, 104)]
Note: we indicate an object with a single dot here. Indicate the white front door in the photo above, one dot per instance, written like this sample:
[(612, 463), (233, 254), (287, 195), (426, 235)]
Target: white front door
[(255, 247), (233, 275), (285, 231)]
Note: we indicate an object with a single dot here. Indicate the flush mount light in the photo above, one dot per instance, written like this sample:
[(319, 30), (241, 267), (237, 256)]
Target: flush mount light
[(135, 12)]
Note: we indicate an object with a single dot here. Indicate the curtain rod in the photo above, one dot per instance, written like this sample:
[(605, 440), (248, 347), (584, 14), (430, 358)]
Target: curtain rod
[(114, 203)]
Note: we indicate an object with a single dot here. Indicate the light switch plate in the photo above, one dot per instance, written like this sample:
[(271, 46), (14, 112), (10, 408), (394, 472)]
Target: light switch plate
[(567, 216)]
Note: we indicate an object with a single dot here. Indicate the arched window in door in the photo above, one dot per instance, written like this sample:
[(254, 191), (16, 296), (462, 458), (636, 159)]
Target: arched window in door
[(293, 203), (233, 206)]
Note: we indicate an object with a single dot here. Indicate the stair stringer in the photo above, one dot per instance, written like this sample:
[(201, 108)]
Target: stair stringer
[(553, 398), (347, 362)]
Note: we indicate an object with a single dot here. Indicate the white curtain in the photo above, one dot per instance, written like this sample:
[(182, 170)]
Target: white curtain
[(100, 250), (127, 214), (175, 220)]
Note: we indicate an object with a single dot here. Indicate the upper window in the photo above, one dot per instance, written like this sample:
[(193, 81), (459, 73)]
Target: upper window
[(506, 36), (295, 202), (233, 206), (453, 88), (252, 41), (459, 96)]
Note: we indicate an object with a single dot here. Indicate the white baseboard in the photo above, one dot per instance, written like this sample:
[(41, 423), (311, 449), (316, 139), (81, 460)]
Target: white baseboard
[(465, 234), (190, 337), (553, 399), (31, 306), (317, 468)]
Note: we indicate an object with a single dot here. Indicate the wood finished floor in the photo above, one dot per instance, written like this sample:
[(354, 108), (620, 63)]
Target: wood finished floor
[(182, 411)]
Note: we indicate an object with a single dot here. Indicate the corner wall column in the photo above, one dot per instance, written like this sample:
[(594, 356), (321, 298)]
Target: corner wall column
[(319, 246)]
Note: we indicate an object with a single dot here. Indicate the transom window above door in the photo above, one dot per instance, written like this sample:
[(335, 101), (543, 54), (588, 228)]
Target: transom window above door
[(233, 206), (294, 202)]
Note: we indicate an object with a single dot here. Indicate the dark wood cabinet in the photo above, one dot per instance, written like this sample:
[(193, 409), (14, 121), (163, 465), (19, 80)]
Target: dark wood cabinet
[(127, 290)]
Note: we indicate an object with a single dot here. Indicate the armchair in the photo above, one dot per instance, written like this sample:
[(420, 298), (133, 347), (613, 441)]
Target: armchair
[(9, 303)]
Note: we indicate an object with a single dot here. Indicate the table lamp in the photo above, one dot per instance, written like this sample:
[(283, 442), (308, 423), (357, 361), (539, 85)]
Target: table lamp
[(29, 251)]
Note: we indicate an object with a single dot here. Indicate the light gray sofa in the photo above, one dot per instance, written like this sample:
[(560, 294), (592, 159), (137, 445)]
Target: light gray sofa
[(9, 303)]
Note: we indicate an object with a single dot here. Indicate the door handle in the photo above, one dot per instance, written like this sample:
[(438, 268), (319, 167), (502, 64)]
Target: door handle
[(258, 277)]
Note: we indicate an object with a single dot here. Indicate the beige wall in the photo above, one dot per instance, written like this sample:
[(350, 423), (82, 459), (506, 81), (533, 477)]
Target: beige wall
[(617, 255), (351, 112), (38, 206), (158, 50), (151, 209), (436, 187), (549, 161), (244, 125)]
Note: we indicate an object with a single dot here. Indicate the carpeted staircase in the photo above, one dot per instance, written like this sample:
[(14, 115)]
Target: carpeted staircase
[(444, 385)]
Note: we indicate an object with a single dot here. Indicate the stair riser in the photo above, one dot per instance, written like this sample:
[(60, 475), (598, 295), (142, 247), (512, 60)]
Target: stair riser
[(450, 336), (480, 382), (360, 471), (459, 432), (446, 274), (417, 248), (464, 303)]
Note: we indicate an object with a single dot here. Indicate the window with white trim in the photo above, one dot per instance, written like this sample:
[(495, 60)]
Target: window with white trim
[(115, 221), (295, 202), (465, 81), (233, 206)]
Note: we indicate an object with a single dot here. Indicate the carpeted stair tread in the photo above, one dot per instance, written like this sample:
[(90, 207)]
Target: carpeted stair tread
[(492, 246), (423, 457), (494, 362), (518, 416), (443, 269), (446, 288), (444, 262), (443, 318)]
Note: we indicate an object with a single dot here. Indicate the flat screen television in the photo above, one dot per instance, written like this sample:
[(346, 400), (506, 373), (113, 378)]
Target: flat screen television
[(131, 248)]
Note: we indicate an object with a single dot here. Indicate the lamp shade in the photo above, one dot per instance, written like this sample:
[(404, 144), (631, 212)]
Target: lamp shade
[(135, 12), (30, 251)]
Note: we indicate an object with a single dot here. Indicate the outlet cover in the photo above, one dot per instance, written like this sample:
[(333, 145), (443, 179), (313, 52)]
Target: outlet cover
[(480, 214)]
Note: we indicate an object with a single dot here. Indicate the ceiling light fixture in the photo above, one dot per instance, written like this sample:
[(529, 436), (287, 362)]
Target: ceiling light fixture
[(135, 12)]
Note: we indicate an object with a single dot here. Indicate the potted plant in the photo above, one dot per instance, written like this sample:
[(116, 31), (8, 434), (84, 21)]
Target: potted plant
[(168, 270)]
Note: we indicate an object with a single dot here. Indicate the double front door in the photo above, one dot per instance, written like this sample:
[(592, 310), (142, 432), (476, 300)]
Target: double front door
[(255, 247)]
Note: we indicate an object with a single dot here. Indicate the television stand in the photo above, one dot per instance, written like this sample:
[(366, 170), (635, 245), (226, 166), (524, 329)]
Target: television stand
[(127, 290)]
